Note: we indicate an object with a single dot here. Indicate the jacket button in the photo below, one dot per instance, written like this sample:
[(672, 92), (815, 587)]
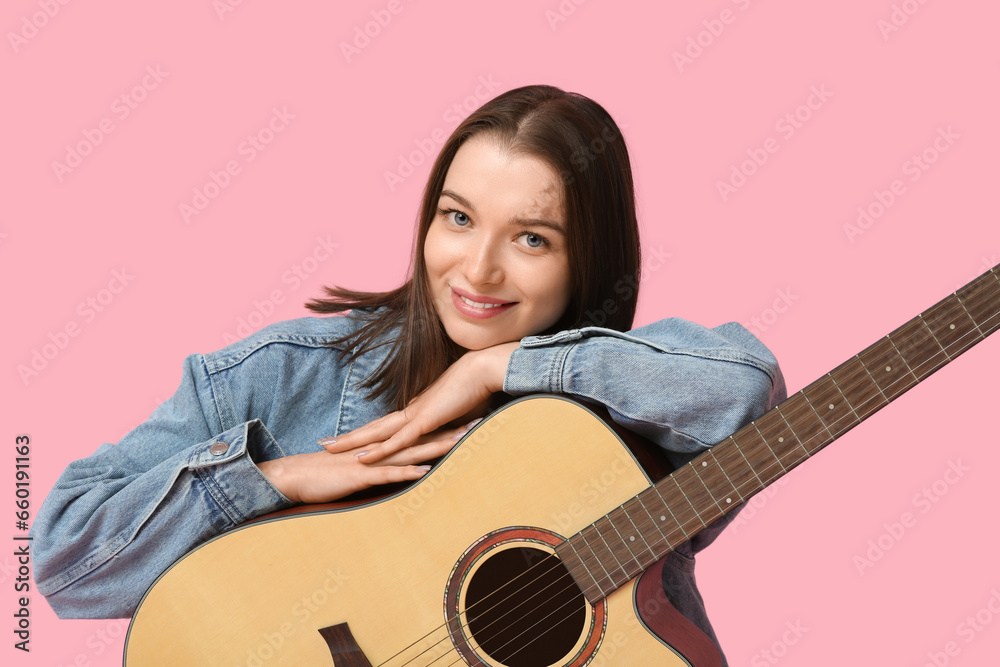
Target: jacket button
[(218, 449)]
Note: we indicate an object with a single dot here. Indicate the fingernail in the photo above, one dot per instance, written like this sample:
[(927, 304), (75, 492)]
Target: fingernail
[(360, 454), (424, 468), (466, 429), (323, 442)]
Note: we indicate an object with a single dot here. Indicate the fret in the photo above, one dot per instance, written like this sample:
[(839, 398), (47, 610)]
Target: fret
[(760, 456), (569, 556), (981, 299), (593, 564), (619, 550), (662, 517), (859, 387), (918, 347), (695, 489), (678, 503), (605, 558), (833, 408), (636, 537), (887, 368), (779, 436), (688, 515), (715, 479), (622, 543), (647, 525), (804, 422), (951, 326), (737, 469)]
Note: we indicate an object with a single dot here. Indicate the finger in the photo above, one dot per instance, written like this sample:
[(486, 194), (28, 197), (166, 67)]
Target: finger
[(375, 475), (418, 453), (372, 432), (401, 439)]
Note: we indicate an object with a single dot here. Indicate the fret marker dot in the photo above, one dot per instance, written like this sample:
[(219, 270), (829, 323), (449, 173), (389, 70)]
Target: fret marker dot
[(888, 368), (631, 538), (663, 518), (729, 500), (781, 439), (831, 406), (704, 464), (951, 326)]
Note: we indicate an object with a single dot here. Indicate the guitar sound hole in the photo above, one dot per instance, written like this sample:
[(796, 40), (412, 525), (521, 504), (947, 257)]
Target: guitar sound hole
[(524, 609)]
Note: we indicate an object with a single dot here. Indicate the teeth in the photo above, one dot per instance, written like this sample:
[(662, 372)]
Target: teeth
[(476, 304)]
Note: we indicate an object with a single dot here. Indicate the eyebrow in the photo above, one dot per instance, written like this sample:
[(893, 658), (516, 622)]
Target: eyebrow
[(516, 220)]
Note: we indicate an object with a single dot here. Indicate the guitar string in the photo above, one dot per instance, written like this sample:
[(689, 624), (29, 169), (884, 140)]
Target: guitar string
[(551, 559), (959, 345)]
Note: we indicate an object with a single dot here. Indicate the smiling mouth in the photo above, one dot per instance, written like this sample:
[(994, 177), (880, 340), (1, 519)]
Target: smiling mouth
[(476, 304)]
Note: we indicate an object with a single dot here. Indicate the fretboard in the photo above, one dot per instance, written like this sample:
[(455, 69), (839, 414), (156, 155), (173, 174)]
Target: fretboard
[(628, 540)]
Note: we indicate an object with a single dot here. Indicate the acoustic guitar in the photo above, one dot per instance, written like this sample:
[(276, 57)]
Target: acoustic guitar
[(538, 540)]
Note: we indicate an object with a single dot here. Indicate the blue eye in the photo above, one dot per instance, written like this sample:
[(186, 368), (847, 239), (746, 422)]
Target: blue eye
[(461, 222), (534, 241)]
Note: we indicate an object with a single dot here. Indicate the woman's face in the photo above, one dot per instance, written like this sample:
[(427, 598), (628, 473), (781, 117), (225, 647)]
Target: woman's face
[(496, 251)]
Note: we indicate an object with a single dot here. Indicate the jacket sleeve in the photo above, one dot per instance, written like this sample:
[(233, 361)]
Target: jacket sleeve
[(678, 384), (118, 518)]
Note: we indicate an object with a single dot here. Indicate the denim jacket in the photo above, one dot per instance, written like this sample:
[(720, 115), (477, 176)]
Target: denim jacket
[(117, 519)]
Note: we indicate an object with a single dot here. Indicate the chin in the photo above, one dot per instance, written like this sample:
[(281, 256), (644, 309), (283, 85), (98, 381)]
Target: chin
[(476, 340)]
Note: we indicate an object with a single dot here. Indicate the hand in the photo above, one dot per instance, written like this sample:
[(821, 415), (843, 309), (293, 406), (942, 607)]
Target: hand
[(463, 387), (322, 477)]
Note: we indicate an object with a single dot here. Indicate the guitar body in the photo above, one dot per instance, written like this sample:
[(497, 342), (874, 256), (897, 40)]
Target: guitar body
[(413, 578)]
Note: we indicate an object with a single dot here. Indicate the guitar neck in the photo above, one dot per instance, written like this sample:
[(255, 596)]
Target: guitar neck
[(627, 541)]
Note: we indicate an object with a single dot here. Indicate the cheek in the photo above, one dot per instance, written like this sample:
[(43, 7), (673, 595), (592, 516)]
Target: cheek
[(435, 254), (552, 289)]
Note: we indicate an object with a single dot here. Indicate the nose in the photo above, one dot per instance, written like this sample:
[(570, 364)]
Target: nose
[(484, 262)]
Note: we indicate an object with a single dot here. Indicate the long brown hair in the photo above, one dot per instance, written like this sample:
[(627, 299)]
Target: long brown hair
[(580, 141)]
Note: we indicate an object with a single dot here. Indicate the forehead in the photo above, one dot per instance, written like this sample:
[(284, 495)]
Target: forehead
[(490, 178)]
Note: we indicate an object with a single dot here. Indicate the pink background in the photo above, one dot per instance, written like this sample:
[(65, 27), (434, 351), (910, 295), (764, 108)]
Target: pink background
[(778, 243)]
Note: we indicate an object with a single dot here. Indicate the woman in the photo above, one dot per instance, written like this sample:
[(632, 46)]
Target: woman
[(527, 232)]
